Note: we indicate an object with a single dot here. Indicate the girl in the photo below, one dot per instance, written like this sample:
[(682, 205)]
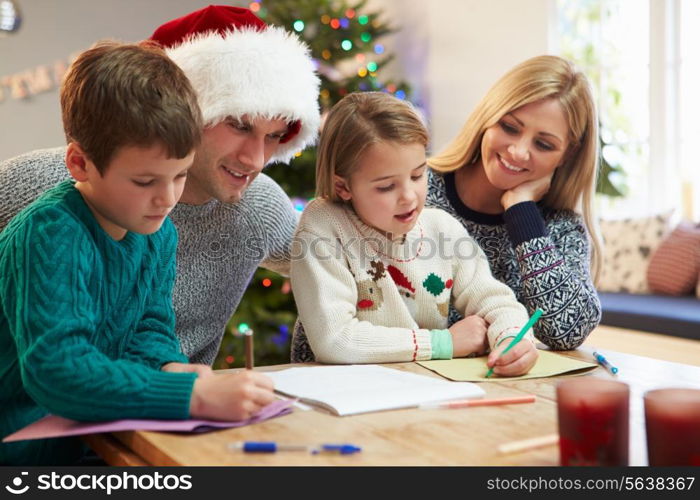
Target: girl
[(374, 273), (525, 160)]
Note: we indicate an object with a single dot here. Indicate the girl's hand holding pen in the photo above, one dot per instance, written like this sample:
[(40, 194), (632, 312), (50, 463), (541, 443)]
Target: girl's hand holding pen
[(513, 358), (517, 361)]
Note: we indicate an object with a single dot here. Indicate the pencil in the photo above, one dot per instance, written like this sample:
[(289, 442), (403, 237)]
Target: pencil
[(480, 402), (529, 444), (249, 349)]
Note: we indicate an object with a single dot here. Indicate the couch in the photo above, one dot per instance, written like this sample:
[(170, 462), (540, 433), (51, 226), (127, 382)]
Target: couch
[(650, 276), (679, 316)]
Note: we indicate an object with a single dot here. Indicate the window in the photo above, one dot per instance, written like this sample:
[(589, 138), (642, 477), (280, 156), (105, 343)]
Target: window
[(641, 58), (690, 104)]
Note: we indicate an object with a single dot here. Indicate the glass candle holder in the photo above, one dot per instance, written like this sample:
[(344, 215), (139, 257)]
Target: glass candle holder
[(593, 422), (673, 426)]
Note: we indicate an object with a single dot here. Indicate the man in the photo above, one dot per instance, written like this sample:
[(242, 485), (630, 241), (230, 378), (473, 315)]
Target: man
[(258, 91)]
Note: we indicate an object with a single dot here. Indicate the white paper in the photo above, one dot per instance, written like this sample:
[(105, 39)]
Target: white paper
[(351, 389)]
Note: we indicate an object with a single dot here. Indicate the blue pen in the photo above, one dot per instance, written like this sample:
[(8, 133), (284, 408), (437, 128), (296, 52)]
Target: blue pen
[(340, 449), (605, 363), (273, 447)]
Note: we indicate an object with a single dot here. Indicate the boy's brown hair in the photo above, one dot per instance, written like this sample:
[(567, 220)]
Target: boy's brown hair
[(118, 94)]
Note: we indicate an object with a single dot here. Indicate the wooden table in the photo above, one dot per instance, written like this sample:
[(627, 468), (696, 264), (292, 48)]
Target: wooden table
[(406, 437), (653, 345)]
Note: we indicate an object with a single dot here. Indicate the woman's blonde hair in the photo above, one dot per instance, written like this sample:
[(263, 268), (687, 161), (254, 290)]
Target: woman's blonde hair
[(542, 77), (356, 122)]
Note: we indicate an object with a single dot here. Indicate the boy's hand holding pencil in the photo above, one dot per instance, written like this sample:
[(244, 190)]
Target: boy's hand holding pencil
[(231, 396)]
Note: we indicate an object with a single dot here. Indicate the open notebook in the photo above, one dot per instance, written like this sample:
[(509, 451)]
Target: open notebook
[(348, 390)]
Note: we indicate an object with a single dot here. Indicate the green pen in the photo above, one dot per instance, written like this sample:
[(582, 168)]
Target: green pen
[(533, 319)]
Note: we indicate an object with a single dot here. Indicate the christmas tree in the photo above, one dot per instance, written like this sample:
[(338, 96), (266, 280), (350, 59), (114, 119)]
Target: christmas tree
[(344, 40)]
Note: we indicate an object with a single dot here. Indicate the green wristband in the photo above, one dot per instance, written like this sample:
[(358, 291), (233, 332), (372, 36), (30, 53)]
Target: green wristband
[(440, 344)]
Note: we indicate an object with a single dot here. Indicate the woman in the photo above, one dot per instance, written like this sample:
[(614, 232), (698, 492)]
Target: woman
[(520, 176)]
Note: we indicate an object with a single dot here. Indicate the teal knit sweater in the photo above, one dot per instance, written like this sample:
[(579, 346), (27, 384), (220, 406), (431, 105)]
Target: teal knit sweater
[(86, 322)]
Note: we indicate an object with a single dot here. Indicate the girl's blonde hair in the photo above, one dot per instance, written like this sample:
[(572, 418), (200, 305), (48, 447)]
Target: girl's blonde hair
[(356, 122), (542, 77)]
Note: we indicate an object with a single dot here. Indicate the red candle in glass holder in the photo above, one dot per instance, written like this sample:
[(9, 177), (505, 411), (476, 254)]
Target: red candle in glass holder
[(673, 426), (593, 421)]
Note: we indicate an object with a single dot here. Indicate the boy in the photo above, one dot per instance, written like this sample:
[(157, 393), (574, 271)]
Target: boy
[(87, 270), (257, 88)]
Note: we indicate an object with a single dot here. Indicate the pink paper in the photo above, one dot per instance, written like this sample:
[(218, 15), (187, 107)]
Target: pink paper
[(52, 426)]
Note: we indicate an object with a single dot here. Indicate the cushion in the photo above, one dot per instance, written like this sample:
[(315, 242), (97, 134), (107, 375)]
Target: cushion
[(675, 265), (629, 245)]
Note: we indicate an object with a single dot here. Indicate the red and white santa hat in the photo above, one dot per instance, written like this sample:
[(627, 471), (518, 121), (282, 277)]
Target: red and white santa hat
[(238, 65)]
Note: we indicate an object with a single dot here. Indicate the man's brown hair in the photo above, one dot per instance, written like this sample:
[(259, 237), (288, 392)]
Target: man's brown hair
[(118, 94)]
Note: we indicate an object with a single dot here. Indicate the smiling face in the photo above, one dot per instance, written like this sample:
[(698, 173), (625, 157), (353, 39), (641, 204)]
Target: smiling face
[(230, 157), (387, 189), (526, 144)]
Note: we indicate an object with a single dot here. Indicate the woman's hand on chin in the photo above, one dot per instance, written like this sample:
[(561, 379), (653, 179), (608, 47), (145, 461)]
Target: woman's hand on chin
[(532, 190)]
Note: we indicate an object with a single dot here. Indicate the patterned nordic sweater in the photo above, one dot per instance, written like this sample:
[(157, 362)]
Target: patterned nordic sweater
[(542, 254), (364, 299), (86, 322), (220, 245)]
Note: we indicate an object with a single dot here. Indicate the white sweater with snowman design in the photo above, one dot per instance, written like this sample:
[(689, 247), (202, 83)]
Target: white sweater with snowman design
[(365, 299)]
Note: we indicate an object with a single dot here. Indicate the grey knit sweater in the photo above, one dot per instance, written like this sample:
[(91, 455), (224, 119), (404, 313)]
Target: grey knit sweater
[(543, 255), (220, 245)]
